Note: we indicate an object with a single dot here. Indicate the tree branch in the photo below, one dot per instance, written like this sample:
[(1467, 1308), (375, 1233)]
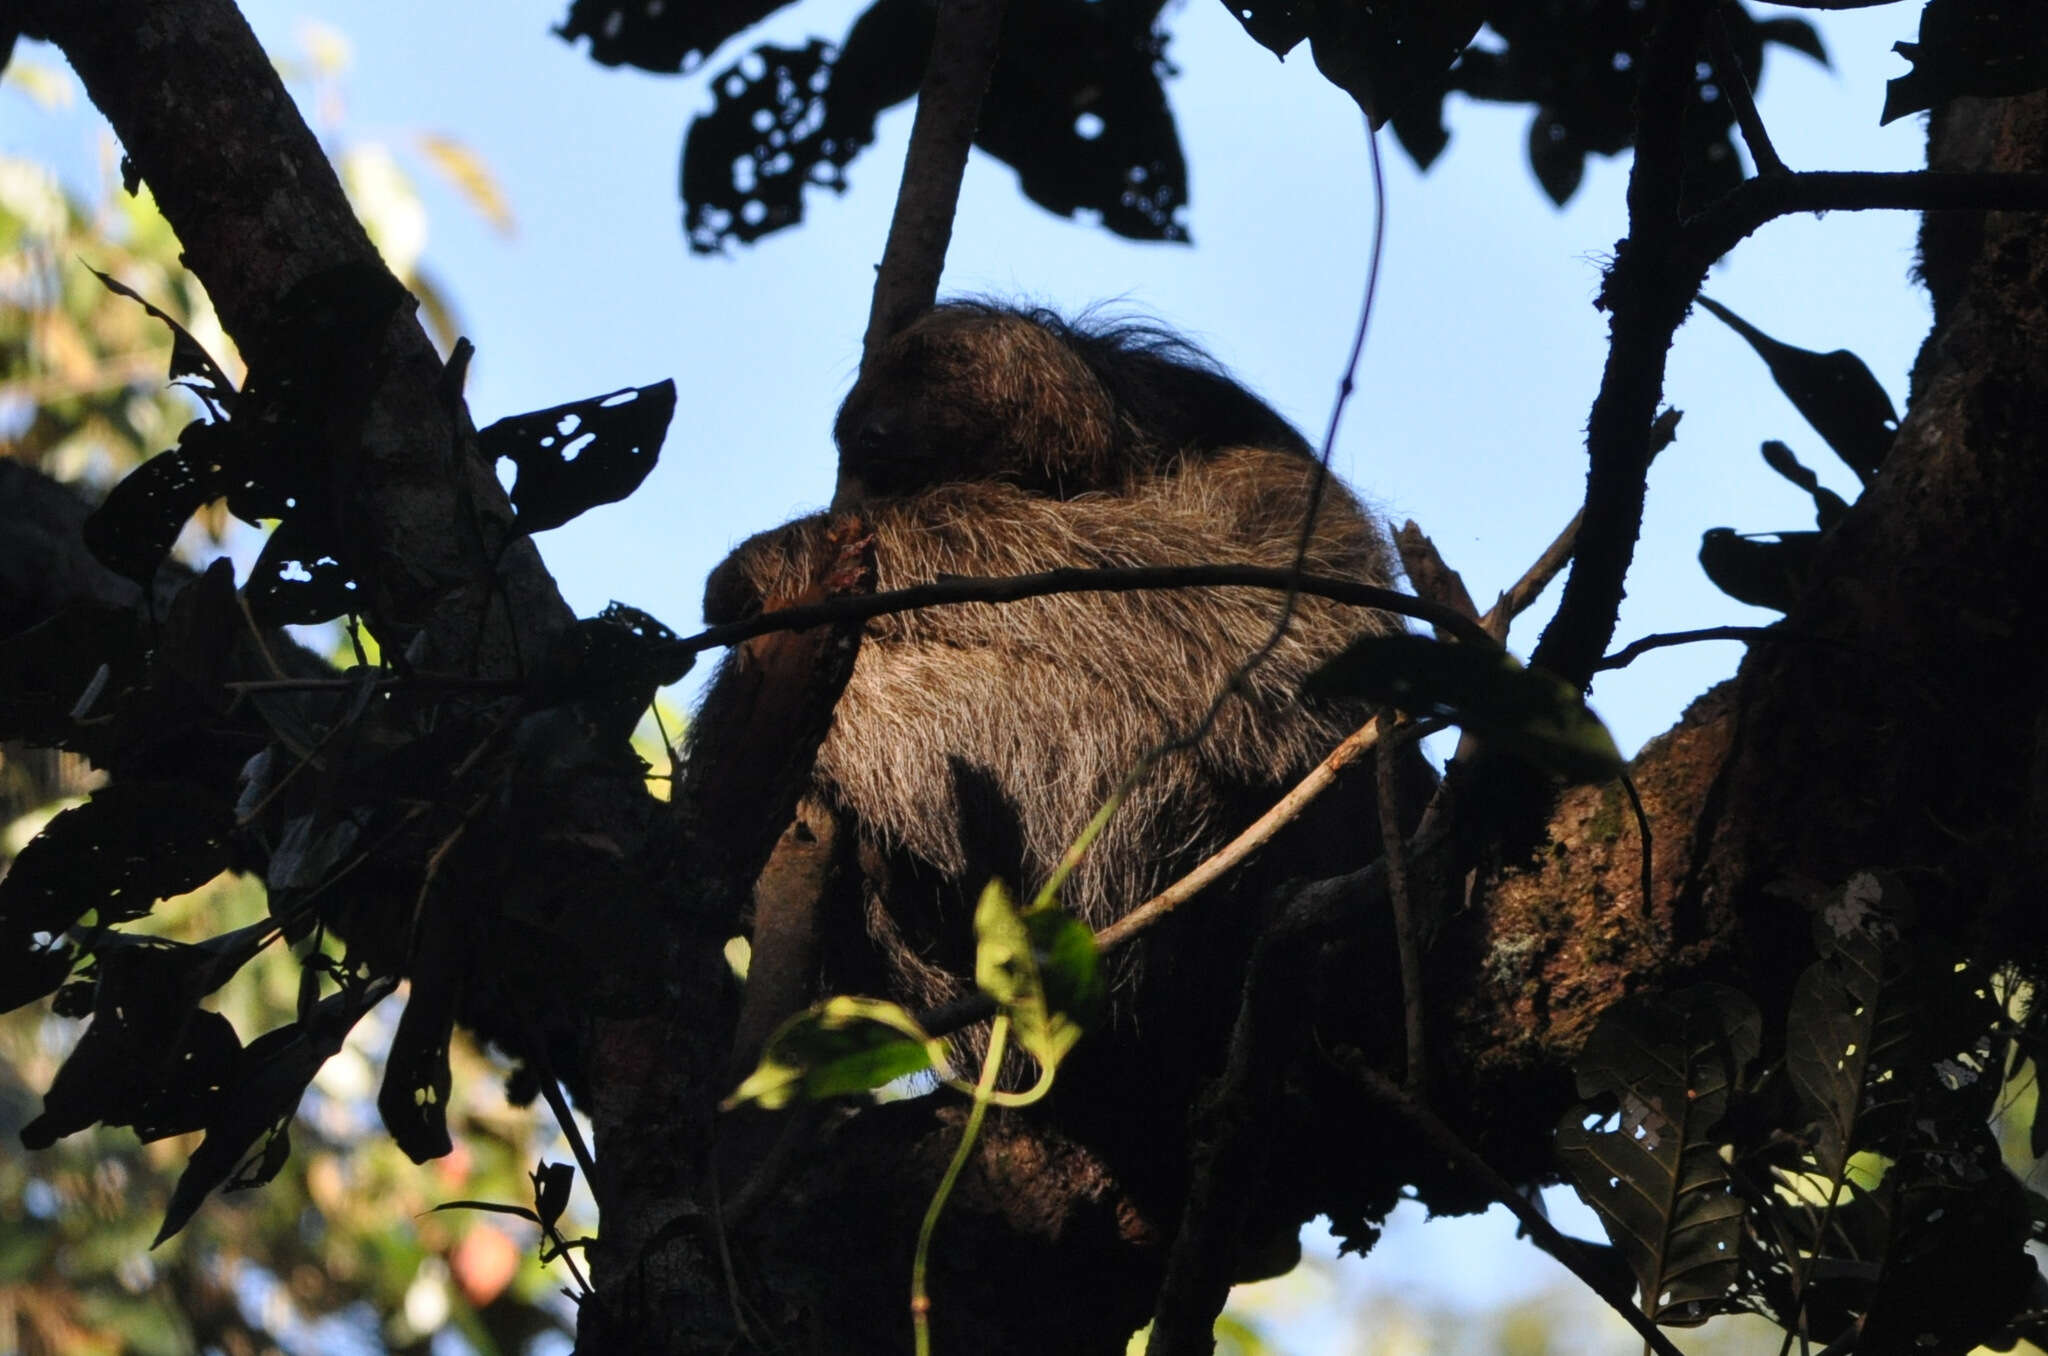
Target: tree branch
[(1647, 292), (948, 105), (1731, 219), (1130, 579), (206, 121)]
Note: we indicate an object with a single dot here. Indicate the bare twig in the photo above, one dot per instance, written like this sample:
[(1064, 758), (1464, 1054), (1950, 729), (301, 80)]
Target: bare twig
[(1636, 649), (1735, 88), (1255, 836), (948, 104), (1444, 1140)]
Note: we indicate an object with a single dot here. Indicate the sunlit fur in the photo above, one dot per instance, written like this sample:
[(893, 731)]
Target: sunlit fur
[(979, 739)]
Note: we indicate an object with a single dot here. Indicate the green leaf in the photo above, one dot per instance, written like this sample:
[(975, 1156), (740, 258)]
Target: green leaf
[(842, 1045), (1651, 1166), (1526, 711), (1040, 967)]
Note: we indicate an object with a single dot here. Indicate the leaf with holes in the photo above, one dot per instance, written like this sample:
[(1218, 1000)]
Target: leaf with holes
[(576, 456), (130, 845), (1658, 1076), (654, 36)]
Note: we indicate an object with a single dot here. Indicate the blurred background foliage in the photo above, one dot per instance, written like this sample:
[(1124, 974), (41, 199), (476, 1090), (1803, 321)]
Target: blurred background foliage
[(337, 1254)]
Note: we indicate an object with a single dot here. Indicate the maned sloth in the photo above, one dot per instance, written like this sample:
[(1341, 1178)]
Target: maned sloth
[(977, 740)]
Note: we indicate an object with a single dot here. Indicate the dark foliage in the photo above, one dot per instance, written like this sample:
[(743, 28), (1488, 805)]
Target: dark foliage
[(1089, 131)]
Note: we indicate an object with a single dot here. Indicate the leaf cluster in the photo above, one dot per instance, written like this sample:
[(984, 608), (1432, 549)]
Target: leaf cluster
[(1838, 1175)]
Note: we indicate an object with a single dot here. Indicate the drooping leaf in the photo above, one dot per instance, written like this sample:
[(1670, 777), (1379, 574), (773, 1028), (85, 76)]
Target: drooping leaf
[(1658, 1075), (414, 1097), (843, 1045), (1834, 391), (190, 362), (1984, 48), (132, 532), (1761, 572), (248, 1136), (1040, 967), (1525, 711), (582, 454)]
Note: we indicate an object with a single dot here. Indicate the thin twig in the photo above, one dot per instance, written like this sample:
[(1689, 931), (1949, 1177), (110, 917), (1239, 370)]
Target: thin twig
[(1735, 88), (1636, 649), (1444, 1140), (1255, 836)]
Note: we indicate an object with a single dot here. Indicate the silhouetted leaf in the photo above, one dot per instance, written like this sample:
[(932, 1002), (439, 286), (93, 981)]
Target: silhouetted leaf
[(577, 456), (130, 845), (843, 1045), (551, 1184), (298, 579), (414, 1098), (656, 37), (190, 362), (770, 133), (1829, 508), (133, 531), (1985, 48), (248, 1136), (1652, 1167), (1558, 159), (1524, 711), (1834, 391), (1763, 573), (1075, 105)]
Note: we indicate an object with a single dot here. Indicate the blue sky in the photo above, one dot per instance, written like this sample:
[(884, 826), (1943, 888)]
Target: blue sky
[(1469, 418)]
